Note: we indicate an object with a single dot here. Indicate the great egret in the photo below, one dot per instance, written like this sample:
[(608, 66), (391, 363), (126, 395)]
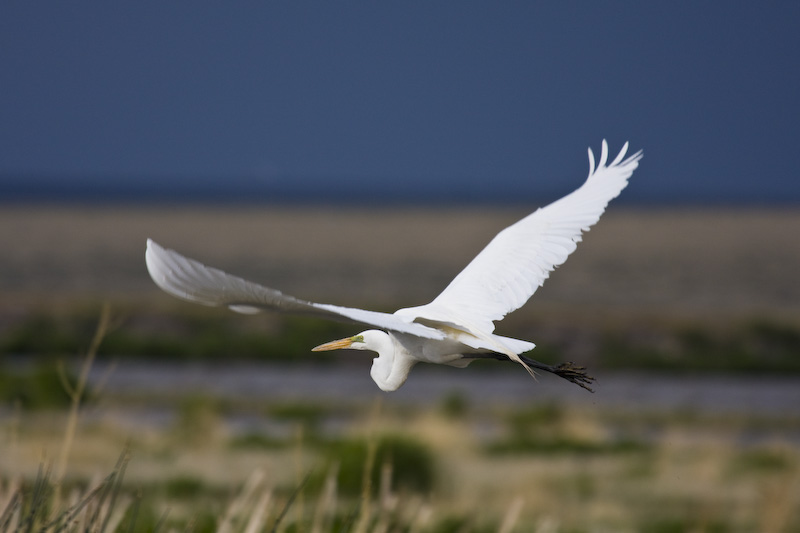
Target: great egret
[(457, 326)]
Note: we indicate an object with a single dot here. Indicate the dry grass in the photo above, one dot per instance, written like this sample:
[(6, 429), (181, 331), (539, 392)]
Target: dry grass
[(688, 262), (687, 472)]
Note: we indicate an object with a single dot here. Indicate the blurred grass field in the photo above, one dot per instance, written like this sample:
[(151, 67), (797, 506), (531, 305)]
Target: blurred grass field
[(688, 295), (452, 465)]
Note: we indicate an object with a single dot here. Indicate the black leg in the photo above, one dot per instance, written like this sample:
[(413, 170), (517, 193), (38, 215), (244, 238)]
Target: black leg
[(569, 371)]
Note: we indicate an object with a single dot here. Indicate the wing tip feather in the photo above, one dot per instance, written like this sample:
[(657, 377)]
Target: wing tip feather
[(619, 160), (603, 154)]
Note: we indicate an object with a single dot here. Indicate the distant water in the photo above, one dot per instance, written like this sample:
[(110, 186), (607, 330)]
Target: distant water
[(428, 384)]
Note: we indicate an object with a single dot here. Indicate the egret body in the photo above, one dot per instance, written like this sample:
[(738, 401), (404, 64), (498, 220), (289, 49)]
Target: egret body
[(457, 327)]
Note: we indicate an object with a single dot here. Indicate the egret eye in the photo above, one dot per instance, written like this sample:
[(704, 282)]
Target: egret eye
[(357, 338)]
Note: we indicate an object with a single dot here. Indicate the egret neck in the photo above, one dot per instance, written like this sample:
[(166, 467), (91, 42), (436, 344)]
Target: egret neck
[(390, 369)]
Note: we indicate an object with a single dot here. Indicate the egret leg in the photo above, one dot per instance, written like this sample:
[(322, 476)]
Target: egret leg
[(569, 370)]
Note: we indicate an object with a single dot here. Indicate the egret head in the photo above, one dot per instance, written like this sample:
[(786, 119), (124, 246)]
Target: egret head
[(356, 342), (390, 369)]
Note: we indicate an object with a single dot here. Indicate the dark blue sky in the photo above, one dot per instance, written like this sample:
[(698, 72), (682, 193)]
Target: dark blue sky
[(417, 100)]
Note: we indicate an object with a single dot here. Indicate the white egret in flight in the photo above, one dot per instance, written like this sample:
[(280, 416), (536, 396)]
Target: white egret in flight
[(458, 325)]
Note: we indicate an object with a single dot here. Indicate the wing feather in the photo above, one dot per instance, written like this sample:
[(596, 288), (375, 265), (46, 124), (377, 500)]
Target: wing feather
[(503, 276), (191, 280)]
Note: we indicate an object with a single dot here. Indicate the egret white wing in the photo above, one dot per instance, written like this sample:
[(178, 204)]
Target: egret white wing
[(505, 274), (191, 280)]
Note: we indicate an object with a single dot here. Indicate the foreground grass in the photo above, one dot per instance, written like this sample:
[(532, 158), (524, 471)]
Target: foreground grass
[(548, 468), (447, 467)]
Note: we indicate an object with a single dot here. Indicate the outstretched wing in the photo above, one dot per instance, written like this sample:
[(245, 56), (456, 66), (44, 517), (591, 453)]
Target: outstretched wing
[(191, 280), (503, 276)]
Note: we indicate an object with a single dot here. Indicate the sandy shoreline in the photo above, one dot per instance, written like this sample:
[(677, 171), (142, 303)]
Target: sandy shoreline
[(691, 260)]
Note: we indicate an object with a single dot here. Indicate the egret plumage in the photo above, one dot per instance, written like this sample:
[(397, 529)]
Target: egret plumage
[(455, 328)]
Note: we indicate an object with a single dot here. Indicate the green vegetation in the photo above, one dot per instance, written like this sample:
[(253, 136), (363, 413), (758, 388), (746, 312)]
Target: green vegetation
[(412, 464), (751, 347), (195, 334), (763, 461), (755, 345), (542, 431), (454, 405), (40, 387)]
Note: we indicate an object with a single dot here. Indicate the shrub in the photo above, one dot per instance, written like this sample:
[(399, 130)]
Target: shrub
[(411, 461)]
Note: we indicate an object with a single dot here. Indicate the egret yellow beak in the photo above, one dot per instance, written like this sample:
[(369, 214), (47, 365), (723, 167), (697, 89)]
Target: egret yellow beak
[(334, 345)]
